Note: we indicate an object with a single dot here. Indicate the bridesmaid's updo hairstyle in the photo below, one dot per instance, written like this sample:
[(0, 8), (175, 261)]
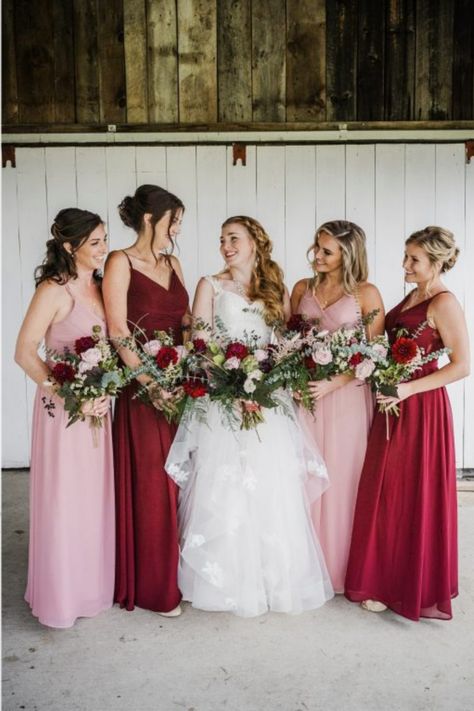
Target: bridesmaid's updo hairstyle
[(266, 283), (351, 239), (439, 245), (152, 200), (71, 226)]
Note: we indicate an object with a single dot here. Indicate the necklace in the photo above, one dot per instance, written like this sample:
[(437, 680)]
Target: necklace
[(330, 299)]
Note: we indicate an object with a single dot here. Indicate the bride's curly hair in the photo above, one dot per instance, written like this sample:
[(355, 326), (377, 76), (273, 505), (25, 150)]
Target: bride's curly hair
[(266, 283)]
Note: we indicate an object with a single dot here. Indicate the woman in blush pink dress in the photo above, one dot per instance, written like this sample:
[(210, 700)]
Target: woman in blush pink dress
[(338, 295), (72, 548)]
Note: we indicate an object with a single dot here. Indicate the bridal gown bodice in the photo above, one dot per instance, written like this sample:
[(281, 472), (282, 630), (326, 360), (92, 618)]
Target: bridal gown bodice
[(242, 320)]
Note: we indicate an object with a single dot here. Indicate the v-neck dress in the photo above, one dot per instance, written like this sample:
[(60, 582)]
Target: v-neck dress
[(72, 545), (146, 499)]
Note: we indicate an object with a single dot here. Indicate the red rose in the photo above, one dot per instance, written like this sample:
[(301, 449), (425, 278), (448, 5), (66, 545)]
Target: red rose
[(194, 388), (404, 350), (199, 345), (166, 356), (298, 323), (355, 359), (236, 350), (309, 362), (83, 344), (63, 372)]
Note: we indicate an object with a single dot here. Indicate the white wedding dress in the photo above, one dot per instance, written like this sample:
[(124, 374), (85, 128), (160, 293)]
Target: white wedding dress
[(247, 541)]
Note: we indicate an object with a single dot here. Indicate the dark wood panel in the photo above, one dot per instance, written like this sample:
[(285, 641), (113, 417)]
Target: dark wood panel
[(111, 54), (463, 57), (434, 59), (64, 85), (35, 60), (341, 57), (234, 60), (86, 61), (134, 21), (400, 60), (306, 60), (162, 34), (269, 60), (9, 59), (197, 60), (371, 60)]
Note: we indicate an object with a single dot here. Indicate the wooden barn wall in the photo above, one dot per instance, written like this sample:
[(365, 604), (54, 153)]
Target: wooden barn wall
[(390, 190), (96, 62)]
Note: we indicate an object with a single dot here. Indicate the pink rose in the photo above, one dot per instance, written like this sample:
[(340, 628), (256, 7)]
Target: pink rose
[(364, 369), (92, 356), (322, 356), (379, 350), (182, 351), (152, 347), (232, 363), (260, 355)]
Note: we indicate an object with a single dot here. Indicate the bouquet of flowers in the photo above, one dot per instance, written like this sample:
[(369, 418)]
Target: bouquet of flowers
[(90, 371)]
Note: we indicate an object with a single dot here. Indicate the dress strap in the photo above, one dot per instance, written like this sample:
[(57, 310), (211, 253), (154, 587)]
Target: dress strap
[(128, 259), (68, 289), (215, 283)]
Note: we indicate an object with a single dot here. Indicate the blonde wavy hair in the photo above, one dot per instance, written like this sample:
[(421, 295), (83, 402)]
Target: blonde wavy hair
[(351, 239), (266, 283), (439, 245)]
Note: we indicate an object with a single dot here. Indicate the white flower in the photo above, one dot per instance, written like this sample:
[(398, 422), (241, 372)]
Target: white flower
[(322, 356), (178, 474), (84, 367), (249, 483), (214, 573), (196, 540), (379, 350), (92, 356), (181, 351), (232, 363), (255, 375), (260, 355), (152, 347), (249, 385), (364, 369)]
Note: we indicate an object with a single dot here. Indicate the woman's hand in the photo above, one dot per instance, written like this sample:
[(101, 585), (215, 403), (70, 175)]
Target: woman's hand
[(389, 401), (321, 388), (96, 408)]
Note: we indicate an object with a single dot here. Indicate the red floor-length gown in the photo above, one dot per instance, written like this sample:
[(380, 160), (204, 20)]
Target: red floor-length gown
[(146, 499), (404, 541)]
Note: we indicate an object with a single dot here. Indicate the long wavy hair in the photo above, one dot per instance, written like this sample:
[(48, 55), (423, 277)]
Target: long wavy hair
[(266, 282), (155, 201), (351, 239), (71, 226)]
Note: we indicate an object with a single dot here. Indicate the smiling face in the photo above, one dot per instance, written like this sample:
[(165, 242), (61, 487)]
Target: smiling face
[(237, 246), (93, 251), (166, 228), (417, 265), (327, 254)]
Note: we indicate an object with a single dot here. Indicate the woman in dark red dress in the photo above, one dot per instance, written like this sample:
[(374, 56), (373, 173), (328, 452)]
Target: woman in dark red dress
[(404, 541), (144, 287)]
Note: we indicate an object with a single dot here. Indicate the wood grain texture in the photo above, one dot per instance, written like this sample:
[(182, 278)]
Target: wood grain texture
[(197, 61), (63, 33), (371, 60), (86, 62), (269, 60), (342, 31), (400, 60), (162, 61), (463, 60), (306, 60), (9, 60), (110, 37), (135, 40), (234, 62)]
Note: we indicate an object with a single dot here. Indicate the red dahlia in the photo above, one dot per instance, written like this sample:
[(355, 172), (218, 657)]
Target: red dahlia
[(166, 356), (355, 359), (83, 344), (194, 388), (63, 373), (199, 345), (236, 350), (298, 323), (404, 350)]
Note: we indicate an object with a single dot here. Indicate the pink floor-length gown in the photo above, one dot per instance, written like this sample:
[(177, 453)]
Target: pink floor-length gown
[(341, 425), (72, 528)]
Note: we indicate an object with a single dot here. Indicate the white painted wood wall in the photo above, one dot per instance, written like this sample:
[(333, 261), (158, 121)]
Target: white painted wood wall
[(389, 189)]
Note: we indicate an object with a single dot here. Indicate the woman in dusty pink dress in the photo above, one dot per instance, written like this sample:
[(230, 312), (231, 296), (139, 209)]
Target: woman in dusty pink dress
[(337, 295), (72, 548)]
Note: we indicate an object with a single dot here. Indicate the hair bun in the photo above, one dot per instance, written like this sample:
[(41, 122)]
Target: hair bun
[(450, 261), (129, 212)]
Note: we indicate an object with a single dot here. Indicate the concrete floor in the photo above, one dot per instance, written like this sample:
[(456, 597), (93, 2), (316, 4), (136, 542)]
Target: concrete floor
[(338, 657)]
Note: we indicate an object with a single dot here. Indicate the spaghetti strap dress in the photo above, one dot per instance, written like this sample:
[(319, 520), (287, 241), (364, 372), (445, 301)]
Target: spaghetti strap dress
[(404, 542), (146, 499)]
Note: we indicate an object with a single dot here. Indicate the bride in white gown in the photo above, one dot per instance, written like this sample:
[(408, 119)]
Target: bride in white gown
[(247, 541)]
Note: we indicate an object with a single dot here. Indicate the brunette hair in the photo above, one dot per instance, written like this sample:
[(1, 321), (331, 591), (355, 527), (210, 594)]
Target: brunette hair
[(266, 283), (153, 200), (439, 245), (351, 239), (71, 226)]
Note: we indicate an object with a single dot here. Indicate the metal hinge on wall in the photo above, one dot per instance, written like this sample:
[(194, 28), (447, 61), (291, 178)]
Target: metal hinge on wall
[(8, 155)]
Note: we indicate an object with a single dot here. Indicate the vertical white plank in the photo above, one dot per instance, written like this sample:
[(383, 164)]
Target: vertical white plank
[(151, 165), (300, 201), (242, 184), (15, 425), (449, 213), (467, 256), (121, 181), (92, 180), (211, 172), (420, 178), (330, 183), (360, 194), (61, 189), (389, 222), (271, 197), (181, 171)]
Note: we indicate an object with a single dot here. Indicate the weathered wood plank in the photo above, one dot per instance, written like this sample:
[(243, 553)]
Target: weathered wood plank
[(371, 61), (9, 59), (269, 60), (306, 60), (341, 22), (111, 61), (63, 31), (135, 33), (400, 61), (86, 64), (234, 64), (162, 61), (35, 61), (197, 60), (463, 60), (434, 59)]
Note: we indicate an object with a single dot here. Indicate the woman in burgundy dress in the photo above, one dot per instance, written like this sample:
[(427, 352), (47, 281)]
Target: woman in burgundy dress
[(144, 286), (404, 541)]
